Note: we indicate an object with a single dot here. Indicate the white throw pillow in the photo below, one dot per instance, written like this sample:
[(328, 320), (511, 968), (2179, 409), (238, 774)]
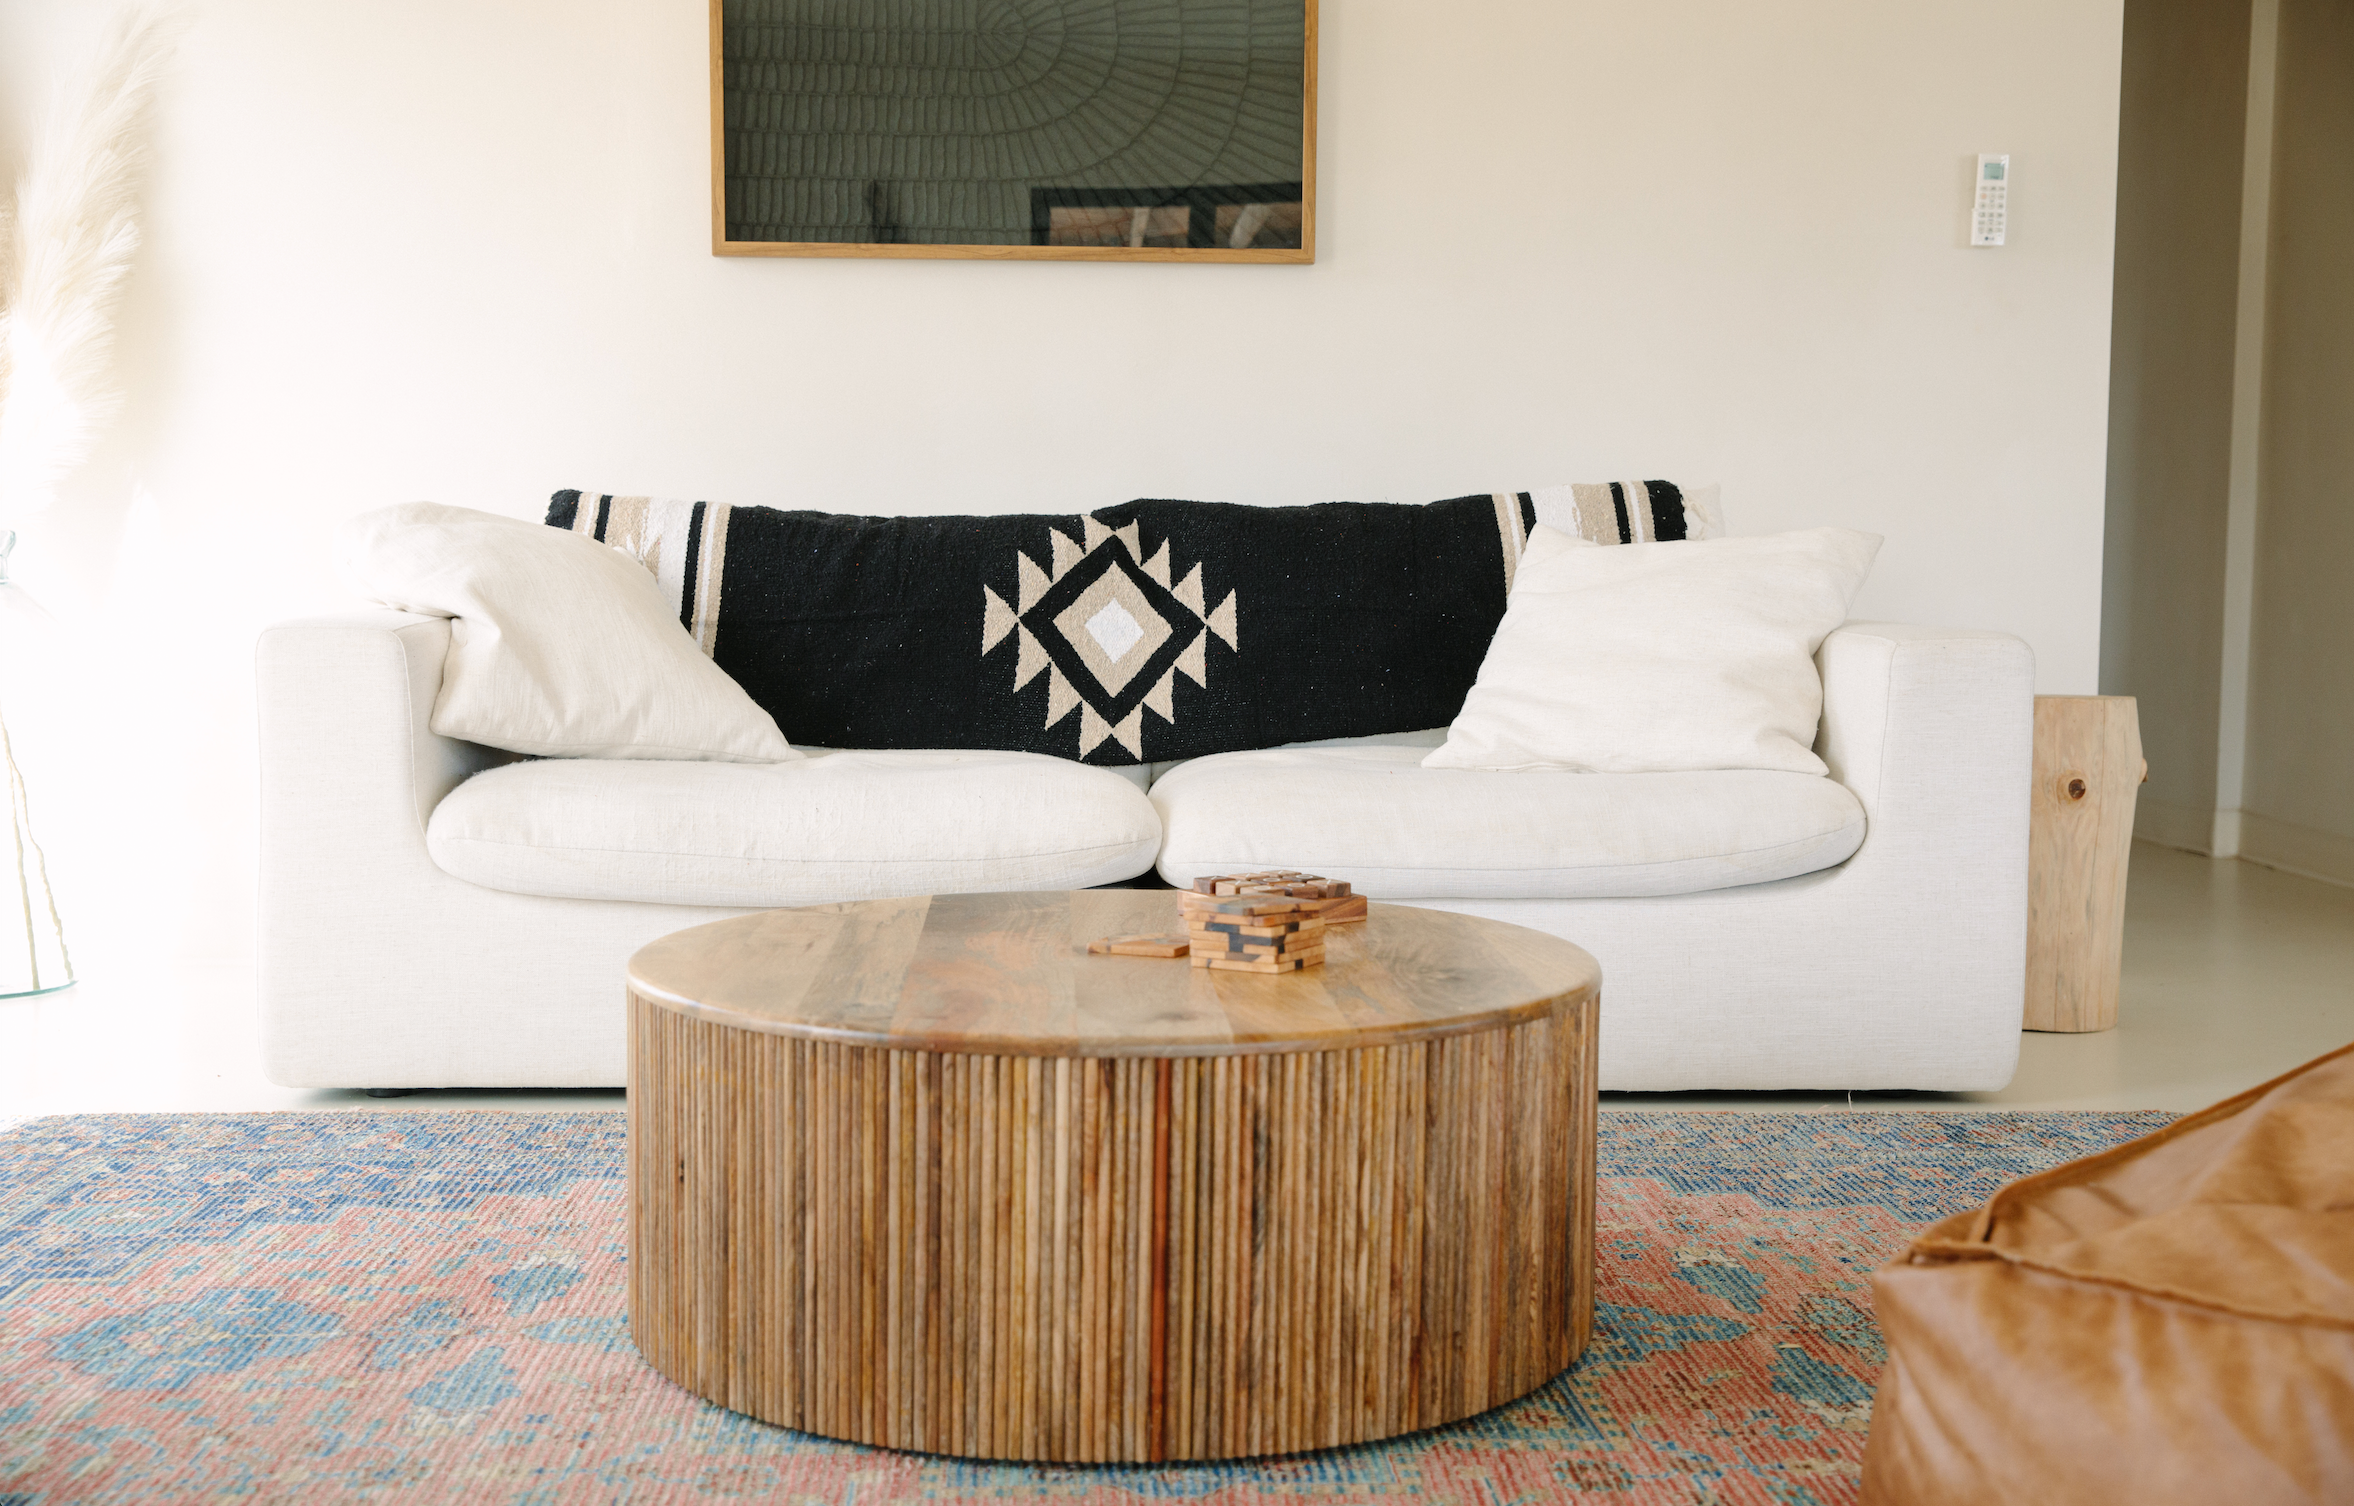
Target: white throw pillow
[(559, 646), (1654, 657)]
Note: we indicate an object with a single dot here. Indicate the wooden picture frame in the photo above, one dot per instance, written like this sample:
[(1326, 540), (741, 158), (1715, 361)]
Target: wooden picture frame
[(1203, 207)]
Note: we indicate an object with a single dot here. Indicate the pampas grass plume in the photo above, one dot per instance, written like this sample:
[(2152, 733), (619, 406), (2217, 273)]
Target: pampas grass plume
[(66, 249)]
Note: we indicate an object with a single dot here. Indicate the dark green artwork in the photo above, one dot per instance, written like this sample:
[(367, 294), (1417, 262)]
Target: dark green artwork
[(1161, 126)]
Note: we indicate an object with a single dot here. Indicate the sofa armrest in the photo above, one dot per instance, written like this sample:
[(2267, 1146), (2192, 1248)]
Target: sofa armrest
[(349, 759), (1933, 728), (350, 773)]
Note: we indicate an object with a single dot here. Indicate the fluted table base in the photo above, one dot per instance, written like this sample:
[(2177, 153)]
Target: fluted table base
[(1100, 1258)]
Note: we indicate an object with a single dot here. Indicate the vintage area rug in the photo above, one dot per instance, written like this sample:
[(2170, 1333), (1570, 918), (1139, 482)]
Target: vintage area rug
[(431, 1307)]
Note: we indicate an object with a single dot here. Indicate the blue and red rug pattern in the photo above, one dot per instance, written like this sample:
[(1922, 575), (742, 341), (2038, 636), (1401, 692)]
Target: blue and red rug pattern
[(430, 1307)]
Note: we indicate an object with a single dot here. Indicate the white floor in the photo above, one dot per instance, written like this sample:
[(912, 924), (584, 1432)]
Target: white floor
[(2233, 973)]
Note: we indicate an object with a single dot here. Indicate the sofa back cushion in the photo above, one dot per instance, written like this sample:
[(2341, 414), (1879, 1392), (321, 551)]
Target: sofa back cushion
[(1149, 631)]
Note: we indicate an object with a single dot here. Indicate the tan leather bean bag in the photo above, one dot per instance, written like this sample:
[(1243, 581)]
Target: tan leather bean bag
[(2171, 1321)]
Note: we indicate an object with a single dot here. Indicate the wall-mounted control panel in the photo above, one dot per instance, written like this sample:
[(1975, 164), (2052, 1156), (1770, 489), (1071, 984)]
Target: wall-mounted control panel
[(1990, 207)]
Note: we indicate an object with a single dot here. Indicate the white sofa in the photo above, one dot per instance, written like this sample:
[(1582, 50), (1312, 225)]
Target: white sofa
[(436, 914)]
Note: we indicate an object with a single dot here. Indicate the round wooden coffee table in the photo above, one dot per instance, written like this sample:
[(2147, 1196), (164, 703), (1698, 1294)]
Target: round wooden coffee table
[(924, 1173)]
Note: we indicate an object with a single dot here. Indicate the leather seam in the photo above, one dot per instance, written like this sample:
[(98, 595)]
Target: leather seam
[(1978, 1254)]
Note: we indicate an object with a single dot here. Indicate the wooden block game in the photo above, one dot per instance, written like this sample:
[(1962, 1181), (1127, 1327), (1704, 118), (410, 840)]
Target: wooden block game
[(1270, 922)]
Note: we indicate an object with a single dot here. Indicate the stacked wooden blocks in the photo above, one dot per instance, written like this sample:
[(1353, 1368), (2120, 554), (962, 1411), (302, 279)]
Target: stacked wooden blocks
[(1253, 935), (1263, 922)]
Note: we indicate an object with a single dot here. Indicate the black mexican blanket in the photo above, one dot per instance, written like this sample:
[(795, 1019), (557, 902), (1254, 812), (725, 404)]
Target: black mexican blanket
[(1150, 631)]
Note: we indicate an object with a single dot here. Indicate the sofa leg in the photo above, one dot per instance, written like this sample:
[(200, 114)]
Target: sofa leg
[(390, 1092)]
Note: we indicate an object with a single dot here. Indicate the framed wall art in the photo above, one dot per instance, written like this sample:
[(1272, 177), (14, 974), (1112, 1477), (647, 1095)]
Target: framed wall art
[(1072, 130)]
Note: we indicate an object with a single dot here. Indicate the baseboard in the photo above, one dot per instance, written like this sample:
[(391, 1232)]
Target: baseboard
[(2189, 827), (2296, 849)]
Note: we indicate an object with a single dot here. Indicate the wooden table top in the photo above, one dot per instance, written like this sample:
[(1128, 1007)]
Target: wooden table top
[(1010, 974)]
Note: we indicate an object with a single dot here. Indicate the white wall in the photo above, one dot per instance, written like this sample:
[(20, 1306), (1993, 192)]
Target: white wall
[(457, 250), (2230, 535), (2175, 367), (2299, 791)]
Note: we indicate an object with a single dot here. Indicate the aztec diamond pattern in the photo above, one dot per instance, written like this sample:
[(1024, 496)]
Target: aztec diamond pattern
[(1111, 627)]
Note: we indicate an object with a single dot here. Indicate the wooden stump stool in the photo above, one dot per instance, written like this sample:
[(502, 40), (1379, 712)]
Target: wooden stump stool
[(924, 1173), (2088, 774)]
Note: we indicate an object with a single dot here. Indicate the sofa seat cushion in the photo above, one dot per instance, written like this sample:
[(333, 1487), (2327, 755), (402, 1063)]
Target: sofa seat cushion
[(832, 826), (1397, 830)]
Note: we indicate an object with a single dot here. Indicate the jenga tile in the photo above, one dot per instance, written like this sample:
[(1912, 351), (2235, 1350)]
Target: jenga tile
[(1245, 907), (1278, 966), (1288, 928), (1142, 946)]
